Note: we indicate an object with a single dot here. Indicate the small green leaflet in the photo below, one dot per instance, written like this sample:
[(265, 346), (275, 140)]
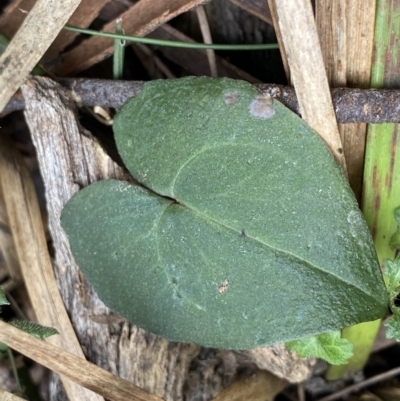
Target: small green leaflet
[(34, 329), (391, 271), (243, 231), (3, 299), (393, 326), (395, 239), (328, 346)]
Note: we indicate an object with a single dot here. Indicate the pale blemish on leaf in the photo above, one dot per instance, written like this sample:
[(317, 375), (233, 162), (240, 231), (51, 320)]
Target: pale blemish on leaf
[(262, 107), (231, 98)]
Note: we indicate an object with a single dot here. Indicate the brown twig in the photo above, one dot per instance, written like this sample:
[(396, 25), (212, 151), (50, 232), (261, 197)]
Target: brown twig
[(366, 383), (351, 105)]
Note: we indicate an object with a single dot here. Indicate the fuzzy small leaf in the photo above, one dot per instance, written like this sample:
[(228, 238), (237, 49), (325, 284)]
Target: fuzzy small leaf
[(391, 271), (3, 43), (393, 326), (395, 240), (3, 299), (328, 346), (397, 215), (34, 329), (249, 233)]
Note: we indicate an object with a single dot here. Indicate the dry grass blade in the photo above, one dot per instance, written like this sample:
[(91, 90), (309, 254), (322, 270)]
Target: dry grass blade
[(36, 34), (139, 20), (80, 371), (307, 71), (26, 226), (205, 31), (13, 16)]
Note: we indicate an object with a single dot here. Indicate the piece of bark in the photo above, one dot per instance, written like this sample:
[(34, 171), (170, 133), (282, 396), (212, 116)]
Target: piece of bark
[(25, 222), (307, 71), (70, 160), (291, 367), (258, 8), (27, 47), (138, 20)]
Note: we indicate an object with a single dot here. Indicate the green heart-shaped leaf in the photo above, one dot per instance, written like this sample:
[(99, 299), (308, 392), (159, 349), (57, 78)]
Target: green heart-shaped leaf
[(250, 234)]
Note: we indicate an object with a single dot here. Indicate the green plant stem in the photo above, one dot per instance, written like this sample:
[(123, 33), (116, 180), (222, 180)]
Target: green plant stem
[(170, 43), (119, 52), (381, 173), (14, 368)]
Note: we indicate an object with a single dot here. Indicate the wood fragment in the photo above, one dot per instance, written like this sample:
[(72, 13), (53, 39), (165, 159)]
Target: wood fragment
[(308, 72), (261, 386), (26, 226), (79, 371), (36, 34), (139, 20)]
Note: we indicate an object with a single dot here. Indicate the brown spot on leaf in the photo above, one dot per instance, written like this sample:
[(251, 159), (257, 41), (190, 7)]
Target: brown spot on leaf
[(223, 287)]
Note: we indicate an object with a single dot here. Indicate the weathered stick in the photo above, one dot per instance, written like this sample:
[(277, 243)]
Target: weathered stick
[(307, 71), (351, 105), (76, 369)]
